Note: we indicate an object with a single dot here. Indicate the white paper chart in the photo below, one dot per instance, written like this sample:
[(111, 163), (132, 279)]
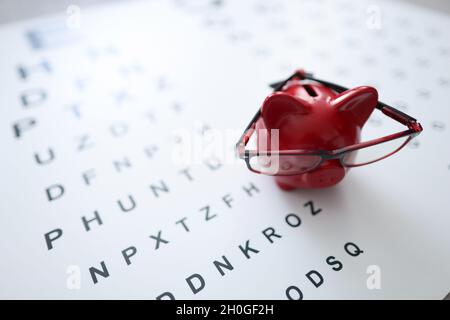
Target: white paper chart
[(95, 205)]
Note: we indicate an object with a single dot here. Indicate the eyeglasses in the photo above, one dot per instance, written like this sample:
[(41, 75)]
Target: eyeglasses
[(293, 162)]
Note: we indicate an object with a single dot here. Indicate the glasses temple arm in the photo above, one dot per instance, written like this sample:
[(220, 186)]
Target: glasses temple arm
[(277, 86), (386, 109)]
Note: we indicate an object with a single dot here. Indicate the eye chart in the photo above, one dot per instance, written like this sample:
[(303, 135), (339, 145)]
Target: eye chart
[(97, 108)]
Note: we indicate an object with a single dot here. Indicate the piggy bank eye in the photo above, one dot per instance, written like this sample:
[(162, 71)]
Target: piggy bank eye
[(264, 161), (286, 165)]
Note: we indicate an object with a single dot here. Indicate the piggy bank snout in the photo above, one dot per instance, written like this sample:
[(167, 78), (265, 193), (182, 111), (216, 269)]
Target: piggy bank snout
[(329, 174)]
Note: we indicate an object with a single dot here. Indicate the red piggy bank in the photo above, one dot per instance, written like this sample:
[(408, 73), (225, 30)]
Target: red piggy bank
[(311, 116)]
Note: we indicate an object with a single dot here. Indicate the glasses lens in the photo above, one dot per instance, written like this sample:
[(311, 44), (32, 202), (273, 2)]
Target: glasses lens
[(374, 153), (284, 164)]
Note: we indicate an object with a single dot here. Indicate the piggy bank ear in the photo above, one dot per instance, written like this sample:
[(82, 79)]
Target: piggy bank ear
[(358, 103), (280, 105)]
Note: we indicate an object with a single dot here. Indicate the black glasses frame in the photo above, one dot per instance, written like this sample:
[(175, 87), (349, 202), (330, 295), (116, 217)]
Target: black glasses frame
[(414, 129)]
